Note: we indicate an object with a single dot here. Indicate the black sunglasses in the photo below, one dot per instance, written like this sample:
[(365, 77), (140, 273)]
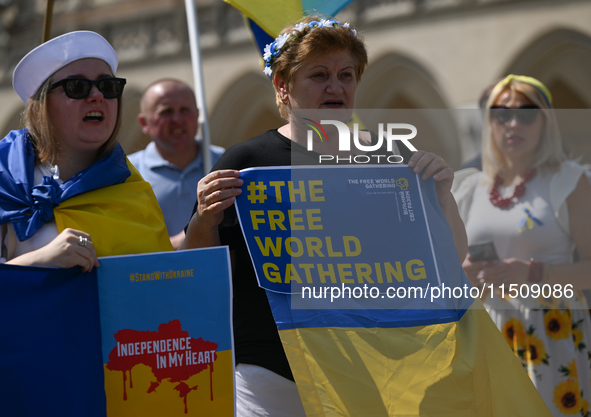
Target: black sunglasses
[(526, 114), (79, 88)]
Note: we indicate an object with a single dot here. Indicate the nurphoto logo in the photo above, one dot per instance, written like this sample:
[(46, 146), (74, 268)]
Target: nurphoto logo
[(386, 134)]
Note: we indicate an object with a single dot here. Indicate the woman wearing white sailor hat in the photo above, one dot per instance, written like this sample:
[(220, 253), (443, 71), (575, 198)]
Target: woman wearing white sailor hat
[(68, 149)]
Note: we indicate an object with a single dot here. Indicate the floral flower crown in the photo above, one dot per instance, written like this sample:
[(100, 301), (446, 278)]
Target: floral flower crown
[(274, 48)]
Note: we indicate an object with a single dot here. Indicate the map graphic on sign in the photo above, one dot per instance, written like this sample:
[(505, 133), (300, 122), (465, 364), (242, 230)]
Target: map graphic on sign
[(169, 352)]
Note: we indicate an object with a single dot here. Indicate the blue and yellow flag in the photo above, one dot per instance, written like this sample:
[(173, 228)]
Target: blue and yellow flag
[(50, 355), (373, 309), (109, 200), (265, 19), (121, 219)]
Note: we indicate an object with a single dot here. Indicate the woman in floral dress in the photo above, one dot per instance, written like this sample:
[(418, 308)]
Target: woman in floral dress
[(534, 205)]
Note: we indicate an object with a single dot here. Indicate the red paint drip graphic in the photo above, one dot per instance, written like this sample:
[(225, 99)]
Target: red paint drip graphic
[(184, 390), (170, 352)]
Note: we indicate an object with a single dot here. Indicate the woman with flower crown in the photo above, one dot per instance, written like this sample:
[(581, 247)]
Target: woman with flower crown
[(534, 205), (315, 64)]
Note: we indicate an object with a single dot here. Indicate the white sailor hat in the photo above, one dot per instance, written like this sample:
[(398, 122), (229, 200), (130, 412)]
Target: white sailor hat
[(39, 64)]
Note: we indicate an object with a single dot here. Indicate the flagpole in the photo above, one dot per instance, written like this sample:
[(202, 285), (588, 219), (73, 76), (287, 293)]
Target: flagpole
[(198, 81), (47, 21)]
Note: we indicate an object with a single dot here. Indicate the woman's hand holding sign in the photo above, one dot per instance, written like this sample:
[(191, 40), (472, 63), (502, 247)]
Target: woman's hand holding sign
[(215, 192)]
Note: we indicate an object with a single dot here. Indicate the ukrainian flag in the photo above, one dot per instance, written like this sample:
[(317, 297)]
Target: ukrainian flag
[(347, 364), (266, 19), (122, 219), (108, 200), (50, 354)]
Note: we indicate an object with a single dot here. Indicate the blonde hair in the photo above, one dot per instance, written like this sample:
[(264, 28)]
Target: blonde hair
[(309, 42), (36, 119), (550, 152)]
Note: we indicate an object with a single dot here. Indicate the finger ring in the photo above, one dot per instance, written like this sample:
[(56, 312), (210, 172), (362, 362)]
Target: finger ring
[(82, 241)]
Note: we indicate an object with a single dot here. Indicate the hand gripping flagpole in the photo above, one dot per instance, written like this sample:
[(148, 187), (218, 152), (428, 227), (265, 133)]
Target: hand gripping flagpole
[(198, 81)]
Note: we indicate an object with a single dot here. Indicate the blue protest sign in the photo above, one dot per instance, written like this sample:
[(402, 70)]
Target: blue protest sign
[(351, 229), (166, 324)]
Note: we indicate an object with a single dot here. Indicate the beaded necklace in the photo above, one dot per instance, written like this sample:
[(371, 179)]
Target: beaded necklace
[(505, 203)]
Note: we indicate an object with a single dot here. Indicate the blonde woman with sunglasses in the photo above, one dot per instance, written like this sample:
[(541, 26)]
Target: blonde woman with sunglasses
[(533, 205), (68, 193)]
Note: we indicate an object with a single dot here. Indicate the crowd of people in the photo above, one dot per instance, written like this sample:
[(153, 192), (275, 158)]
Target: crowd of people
[(64, 174)]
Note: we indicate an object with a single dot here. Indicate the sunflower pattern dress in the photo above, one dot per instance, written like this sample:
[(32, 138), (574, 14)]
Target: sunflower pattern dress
[(551, 333)]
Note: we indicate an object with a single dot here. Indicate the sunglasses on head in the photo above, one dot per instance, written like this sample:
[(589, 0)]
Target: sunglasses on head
[(526, 114), (79, 88)]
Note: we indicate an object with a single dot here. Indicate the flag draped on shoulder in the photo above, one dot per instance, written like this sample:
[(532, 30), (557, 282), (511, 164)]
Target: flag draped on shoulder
[(122, 219), (109, 200), (375, 313)]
